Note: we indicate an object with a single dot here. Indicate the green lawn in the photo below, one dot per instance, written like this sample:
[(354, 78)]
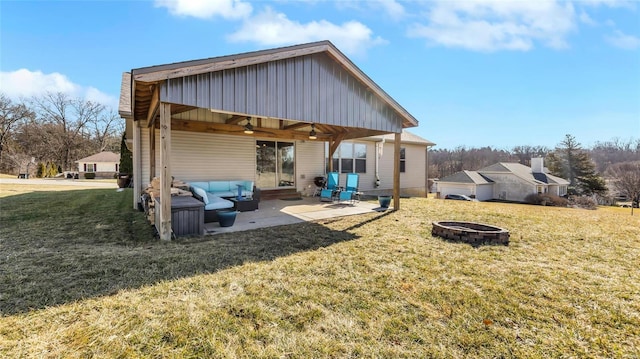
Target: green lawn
[(81, 275)]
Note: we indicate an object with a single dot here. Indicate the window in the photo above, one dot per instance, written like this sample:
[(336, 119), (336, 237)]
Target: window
[(90, 167), (349, 157), (402, 159)]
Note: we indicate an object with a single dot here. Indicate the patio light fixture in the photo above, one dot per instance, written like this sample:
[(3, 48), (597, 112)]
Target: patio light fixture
[(248, 128), (312, 133)]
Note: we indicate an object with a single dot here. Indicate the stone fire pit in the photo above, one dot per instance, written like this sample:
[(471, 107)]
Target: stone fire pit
[(469, 232)]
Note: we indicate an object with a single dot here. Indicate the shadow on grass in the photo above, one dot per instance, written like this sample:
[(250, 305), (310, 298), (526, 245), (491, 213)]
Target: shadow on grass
[(59, 247)]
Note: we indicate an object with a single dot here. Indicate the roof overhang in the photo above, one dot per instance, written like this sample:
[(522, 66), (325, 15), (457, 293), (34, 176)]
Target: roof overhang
[(139, 97)]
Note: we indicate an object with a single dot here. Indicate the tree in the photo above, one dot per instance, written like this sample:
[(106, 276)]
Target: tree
[(41, 170), (569, 161), (105, 130), (626, 180), (11, 115), (526, 153), (126, 157), (65, 126)]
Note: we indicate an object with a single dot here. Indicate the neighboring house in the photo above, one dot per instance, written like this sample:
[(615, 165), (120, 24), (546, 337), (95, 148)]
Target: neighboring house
[(104, 164), (503, 181), (272, 116)]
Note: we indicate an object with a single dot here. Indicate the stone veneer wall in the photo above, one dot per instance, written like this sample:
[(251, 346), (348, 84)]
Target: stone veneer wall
[(472, 233)]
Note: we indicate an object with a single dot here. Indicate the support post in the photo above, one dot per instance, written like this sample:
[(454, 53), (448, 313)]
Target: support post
[(165, 174), (152, 153), (396, 171), (426, 173), (137, 171)]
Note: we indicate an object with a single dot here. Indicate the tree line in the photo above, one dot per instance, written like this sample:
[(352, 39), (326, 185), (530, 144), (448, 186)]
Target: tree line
[(48, 133), (609, 167), (444, 162)]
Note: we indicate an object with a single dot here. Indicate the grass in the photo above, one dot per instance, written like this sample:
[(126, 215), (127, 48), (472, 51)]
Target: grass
[(15, 189), (81, 276)]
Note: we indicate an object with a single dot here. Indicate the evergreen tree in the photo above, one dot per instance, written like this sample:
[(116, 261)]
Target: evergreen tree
[(126, 157), (49, 172), (569, 161), (41, 170), (53, 170)]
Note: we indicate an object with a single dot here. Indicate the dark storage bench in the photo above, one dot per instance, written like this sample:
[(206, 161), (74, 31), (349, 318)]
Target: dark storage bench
[(187, 215)]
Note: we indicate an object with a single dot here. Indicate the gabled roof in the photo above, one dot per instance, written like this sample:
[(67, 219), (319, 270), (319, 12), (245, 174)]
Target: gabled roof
[(405, 137), (143, 81), (523, 172), (466, 177), (105, 156), (549, 179)]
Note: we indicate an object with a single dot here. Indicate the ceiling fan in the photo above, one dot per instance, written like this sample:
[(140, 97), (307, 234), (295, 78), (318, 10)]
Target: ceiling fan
[(249, 129)]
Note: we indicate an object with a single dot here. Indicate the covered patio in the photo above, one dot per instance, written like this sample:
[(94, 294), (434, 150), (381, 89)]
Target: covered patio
[(279, 212), (203, 119)]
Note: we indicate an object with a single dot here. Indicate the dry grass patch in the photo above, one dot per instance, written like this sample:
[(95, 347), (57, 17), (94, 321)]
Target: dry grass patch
[(376, 285)]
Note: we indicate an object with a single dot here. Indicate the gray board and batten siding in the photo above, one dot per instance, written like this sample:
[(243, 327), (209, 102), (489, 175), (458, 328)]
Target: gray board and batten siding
[(310, 88)]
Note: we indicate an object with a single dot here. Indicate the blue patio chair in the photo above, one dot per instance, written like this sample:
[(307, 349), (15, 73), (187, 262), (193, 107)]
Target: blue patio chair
[(350, 191), (329, 192)]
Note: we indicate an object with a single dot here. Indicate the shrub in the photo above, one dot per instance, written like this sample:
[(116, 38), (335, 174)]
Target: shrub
[(545, 199), (52, 169), (89, 175), (41, 170), (126, 157), (583, 202)]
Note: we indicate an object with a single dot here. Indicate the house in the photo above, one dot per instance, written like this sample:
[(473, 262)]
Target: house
[(104, 164), (503, 181), (273, 116)]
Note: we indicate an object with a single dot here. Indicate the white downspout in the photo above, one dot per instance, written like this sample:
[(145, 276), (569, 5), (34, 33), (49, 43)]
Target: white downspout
[(379, 150)]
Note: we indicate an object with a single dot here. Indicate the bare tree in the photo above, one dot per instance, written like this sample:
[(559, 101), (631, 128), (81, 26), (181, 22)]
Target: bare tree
[(614, 151), (106, 131), (626, 179), (525, 153), (11, 116), (69, 123)]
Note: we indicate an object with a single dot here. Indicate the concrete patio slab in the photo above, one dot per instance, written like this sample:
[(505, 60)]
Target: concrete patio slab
[(281, 212)]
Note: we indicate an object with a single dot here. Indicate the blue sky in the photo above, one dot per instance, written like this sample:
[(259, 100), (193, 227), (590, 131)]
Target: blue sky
[(474, 73)]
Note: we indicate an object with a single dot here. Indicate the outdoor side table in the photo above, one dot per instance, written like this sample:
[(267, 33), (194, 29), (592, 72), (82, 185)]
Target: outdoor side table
[(245, 204), (187, 215)]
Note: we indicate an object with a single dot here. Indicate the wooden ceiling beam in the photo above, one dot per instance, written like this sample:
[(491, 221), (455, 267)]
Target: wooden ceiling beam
[(326, 129), (237, 130), (296, 126), (154, 106), (235, 119)]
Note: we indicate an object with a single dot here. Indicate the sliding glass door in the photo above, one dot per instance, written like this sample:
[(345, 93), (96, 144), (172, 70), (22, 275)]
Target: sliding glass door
[(275, 164)]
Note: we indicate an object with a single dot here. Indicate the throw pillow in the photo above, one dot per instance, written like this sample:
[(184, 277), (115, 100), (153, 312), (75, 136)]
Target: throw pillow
[(202, 193)]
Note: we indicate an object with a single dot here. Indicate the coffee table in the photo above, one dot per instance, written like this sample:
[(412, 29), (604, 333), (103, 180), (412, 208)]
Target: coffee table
[(245, 204)]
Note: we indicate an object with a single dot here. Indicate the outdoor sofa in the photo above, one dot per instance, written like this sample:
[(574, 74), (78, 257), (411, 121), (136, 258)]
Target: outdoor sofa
[(216, 194)]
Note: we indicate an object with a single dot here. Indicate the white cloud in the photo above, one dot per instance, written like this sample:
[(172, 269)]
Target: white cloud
[(391, 8), (586, 19), (623, 41), (489, 25), (610, 3), (275, 29), (26, 83), (204, 9)]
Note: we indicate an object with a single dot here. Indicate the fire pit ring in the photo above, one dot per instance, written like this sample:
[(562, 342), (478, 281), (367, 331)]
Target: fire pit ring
[(471, 233)]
